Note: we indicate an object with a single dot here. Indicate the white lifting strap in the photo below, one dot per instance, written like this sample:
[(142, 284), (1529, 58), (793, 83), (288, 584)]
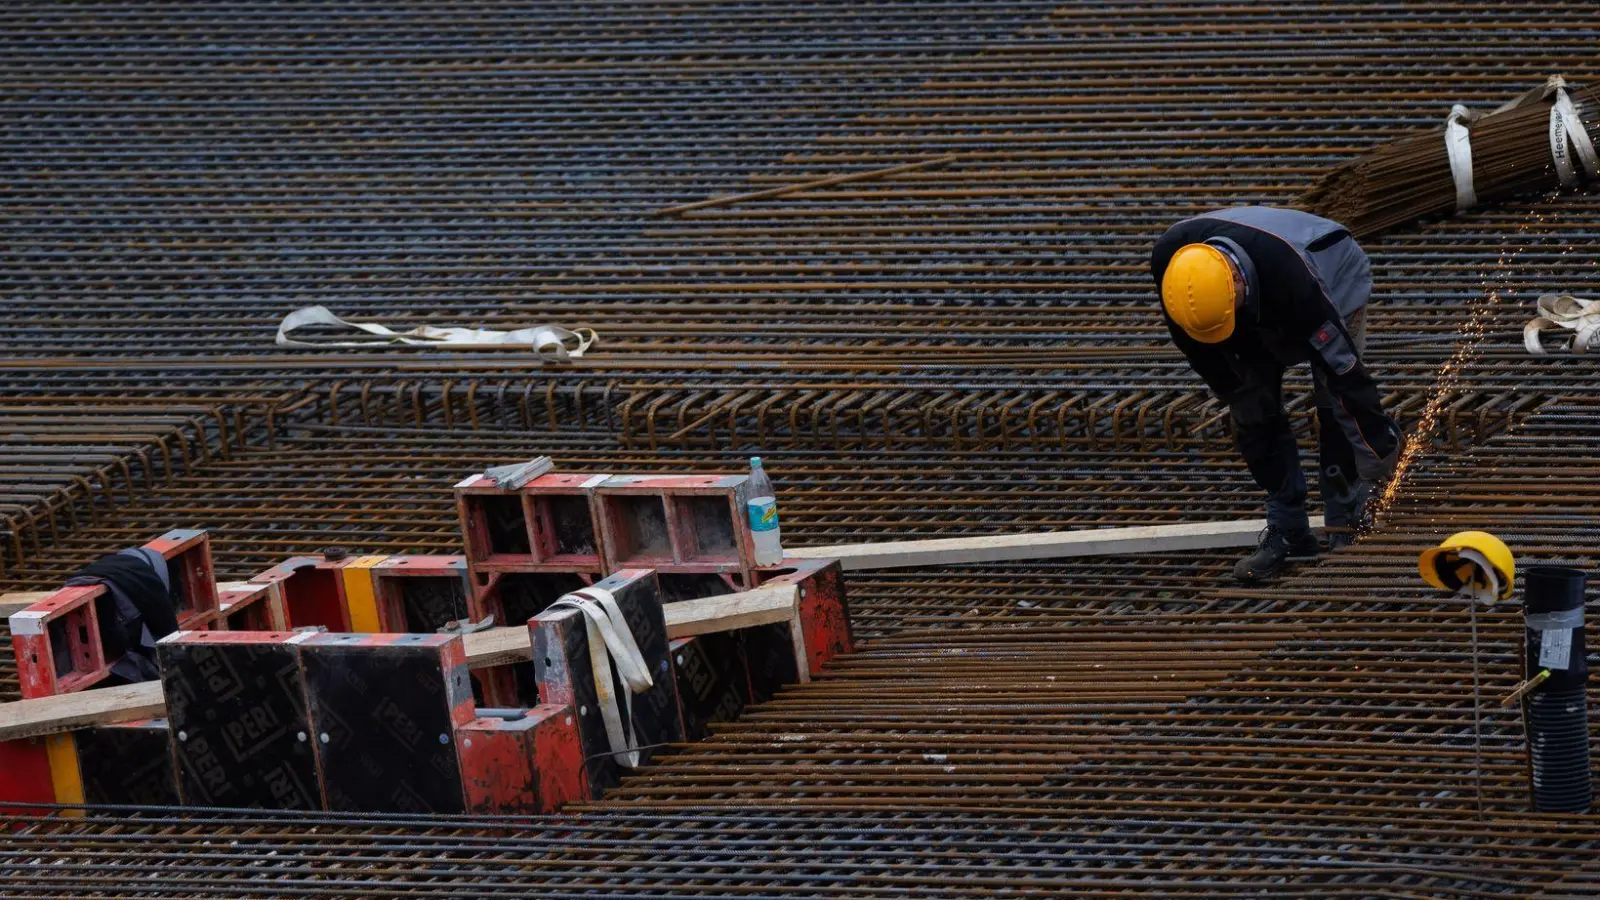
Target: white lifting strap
[(611, 642), (1563, 312), (1566, 128), (551, 342), (1568, 139), (1458, 145)]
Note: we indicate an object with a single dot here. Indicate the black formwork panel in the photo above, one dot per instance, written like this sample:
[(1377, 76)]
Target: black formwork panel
[(384, 708), (236, 710)]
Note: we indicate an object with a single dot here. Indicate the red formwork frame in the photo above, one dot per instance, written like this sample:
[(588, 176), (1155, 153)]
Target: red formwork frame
[(530, 763), (821, 607), (73, 613), (387, 586), (536, 501), (188, 555), (312, 589), (242, 606), (703, 516)]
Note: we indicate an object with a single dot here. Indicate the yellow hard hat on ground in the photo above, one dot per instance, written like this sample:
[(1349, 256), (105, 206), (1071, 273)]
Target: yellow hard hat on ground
[(1200, 292), (1459, 560)]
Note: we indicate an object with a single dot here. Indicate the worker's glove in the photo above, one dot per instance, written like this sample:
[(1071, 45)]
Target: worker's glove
[(1389, 462), (1344, 512), (1344, 508)]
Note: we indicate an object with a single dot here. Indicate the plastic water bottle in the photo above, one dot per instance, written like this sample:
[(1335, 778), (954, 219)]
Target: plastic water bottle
[(763, 509)]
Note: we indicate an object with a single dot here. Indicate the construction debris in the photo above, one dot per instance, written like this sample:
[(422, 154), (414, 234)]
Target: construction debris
[(516, 475)]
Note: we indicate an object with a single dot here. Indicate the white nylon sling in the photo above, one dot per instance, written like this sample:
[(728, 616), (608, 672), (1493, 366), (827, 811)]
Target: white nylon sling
[(1570, 146), (553, 343), (611, 641), (1458, 147), (1563, 312)]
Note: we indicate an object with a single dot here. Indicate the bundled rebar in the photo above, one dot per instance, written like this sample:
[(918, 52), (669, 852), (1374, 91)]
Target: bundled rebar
[(1411, 178)]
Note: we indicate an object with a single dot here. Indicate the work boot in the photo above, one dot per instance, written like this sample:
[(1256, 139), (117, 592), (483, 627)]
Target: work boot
[(1274, 549)]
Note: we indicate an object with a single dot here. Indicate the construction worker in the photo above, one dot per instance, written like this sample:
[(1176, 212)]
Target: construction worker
[(1248, 292)]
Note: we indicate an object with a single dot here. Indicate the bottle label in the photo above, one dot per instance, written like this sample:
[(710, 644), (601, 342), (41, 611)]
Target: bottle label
[(763, 515)]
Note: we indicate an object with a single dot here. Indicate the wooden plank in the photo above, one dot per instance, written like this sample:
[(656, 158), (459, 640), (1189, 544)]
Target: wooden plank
[(20, 600), (685, 618), (48, 715), (1042, 545), (762, 606), (496, 646)]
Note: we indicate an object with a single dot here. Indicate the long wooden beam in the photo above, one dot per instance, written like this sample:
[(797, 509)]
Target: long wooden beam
[(20, 600), (1042, 545), (494, 646), (48, 715), (985, 548), (762, 606)]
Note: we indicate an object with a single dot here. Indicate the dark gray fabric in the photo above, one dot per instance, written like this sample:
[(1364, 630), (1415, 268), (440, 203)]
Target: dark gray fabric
[(1338, 264), (136, 600)]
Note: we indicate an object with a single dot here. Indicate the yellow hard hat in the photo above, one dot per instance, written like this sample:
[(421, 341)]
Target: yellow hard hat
[(1450, 565), (1199, 292)]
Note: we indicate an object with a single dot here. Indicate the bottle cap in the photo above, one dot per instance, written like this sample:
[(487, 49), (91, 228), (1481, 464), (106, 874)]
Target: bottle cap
[(755, 461)]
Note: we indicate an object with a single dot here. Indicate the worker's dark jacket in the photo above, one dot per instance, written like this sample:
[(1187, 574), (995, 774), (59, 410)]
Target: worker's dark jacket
[(142, 610), (1307, 280)]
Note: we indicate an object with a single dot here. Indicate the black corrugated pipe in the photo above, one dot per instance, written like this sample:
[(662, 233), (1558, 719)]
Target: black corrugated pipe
[(1556, 714)]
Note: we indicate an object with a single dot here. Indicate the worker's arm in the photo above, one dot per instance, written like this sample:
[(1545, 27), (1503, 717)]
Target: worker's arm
[(1209, 362), (1358, 405)]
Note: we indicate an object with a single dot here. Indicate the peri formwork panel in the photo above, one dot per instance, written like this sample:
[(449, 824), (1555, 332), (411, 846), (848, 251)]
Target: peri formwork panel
[(566, 675), (384, 708), (128, 763), (712, 680), (236, 708)]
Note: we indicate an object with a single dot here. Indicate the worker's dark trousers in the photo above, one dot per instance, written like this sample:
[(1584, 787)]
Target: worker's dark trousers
[(1355, 435)]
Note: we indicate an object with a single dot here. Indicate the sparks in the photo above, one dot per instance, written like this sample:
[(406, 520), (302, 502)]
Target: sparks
[(1469, 339)]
